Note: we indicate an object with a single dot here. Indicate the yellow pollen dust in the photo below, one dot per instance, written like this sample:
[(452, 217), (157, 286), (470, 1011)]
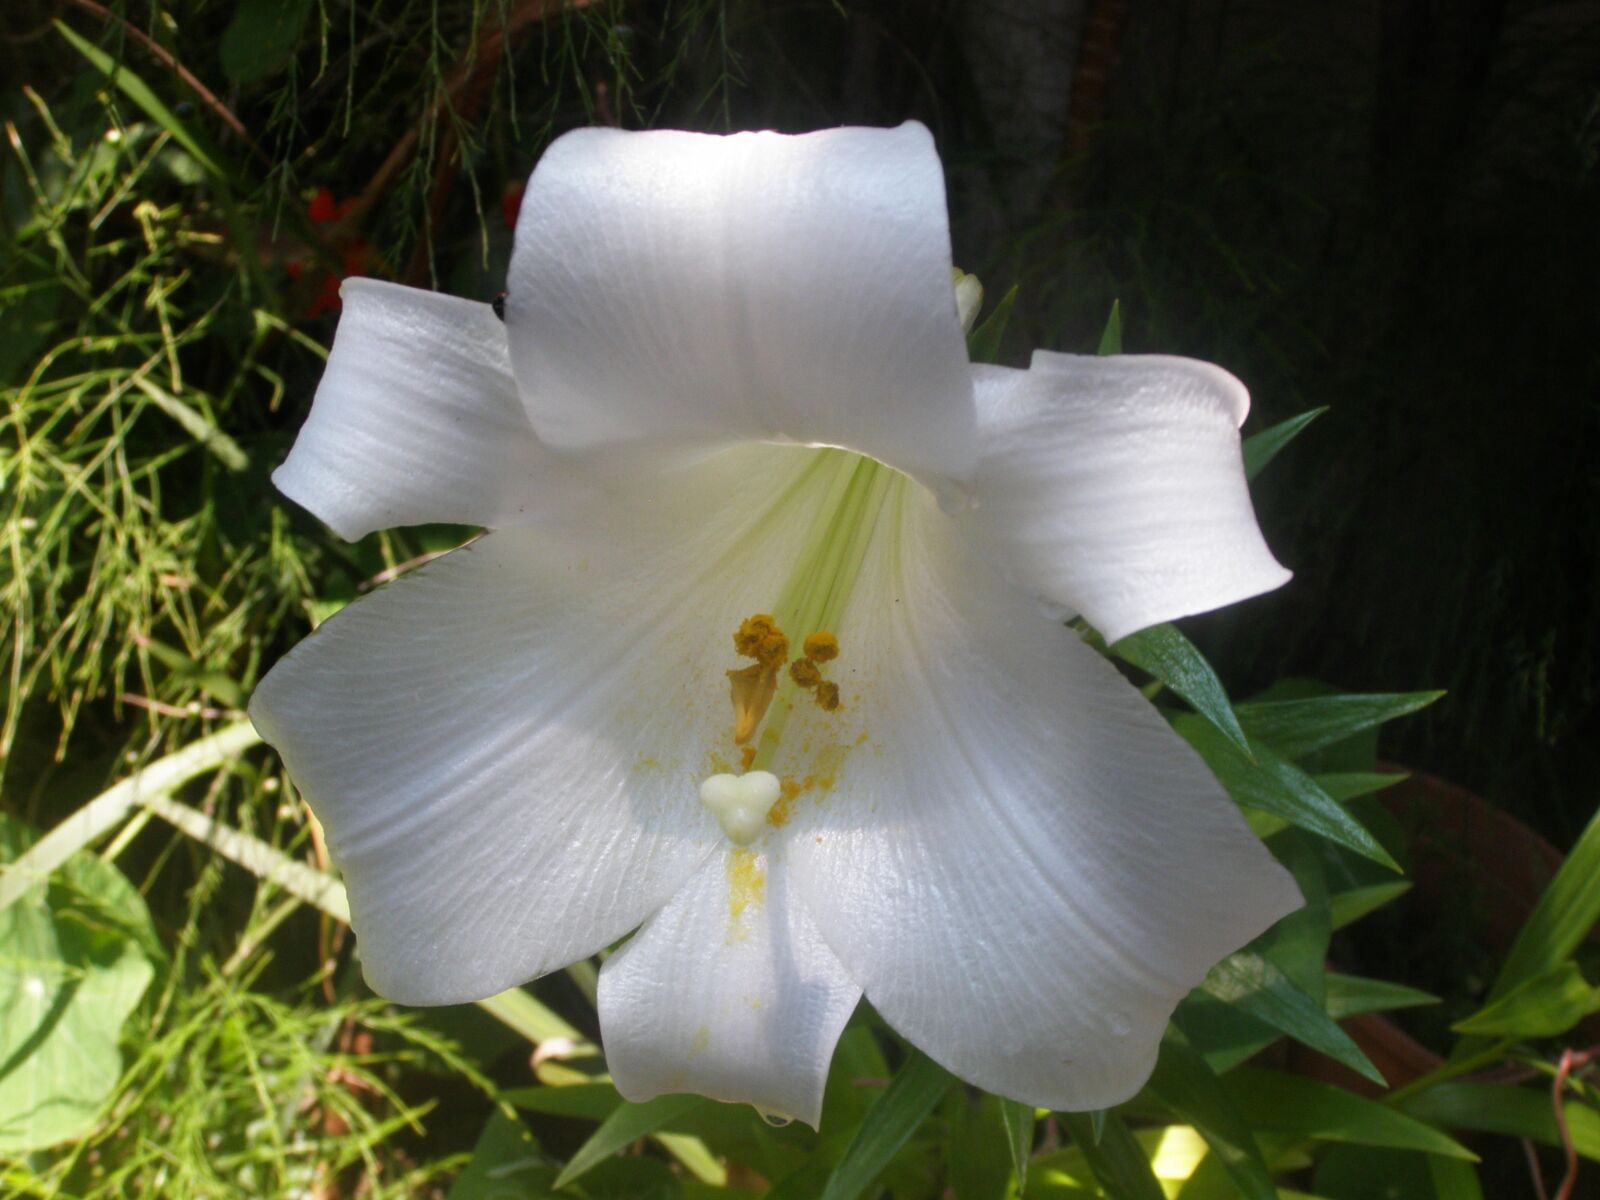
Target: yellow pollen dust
[(753, 687), (747, 882)]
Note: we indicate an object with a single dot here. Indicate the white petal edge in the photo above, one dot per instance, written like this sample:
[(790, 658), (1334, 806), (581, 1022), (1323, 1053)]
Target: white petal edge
[(729, 992), (505, 747), (417, 418), (691, 290), (1018, 860), (1114, 486)]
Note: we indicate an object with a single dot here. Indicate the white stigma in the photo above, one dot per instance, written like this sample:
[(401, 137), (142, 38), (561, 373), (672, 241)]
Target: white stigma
[(741, 803)]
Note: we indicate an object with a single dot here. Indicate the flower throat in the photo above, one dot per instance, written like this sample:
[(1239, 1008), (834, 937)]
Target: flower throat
[(810, 604)]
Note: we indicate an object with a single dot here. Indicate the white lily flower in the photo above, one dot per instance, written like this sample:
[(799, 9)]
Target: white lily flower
[(728, 395)]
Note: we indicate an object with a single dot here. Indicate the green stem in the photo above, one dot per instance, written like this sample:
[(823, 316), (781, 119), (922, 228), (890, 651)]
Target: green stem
[(1451, 1070)]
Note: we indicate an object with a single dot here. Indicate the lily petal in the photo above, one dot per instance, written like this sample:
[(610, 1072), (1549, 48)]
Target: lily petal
[(505, 746), (416, 420), (729, 991), (681, 289), (1024, 867), (1114, 486)]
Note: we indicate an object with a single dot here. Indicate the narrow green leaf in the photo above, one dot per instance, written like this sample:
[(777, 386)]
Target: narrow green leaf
[(1513, 1111), (1018, 1119), (1097, 1124), (1352, 995), (627, 1124), (1275, 785), (904, 1105), (1261, 448), (1116, 1159), (1565, 913), (141, 94), (506, 1162), (1454, 1179), (983, 343), (1545, 1006), (1346, 908), (1184, 1083), (978, 1162), (695, 1157), (1257, 988), (1294, 728), (1111, 335), (1165, 653), (1288, 1104)]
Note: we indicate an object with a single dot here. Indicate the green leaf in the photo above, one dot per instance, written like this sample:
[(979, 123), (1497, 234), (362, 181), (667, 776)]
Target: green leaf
[(627, 1124), (1277, 1103), (1018, 1119), (141, 94), (1111, 335), (1513, 1111), (1376, 1173), (977, 1162), (1261, 448), (1184, 1083), (1275, 785), (68, 980), (1454, 1179), (1164, 653), (1256, 987), (1563, 917), (904, 1105), (506, 1164), (1351, 995), (983, 343), (1545, 1006), (1116, 1159), (1348, 907), (261, 37), (1295, 728)]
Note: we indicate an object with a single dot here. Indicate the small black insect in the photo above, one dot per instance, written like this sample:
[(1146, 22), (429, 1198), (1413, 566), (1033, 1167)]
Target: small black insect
[(499, 306)]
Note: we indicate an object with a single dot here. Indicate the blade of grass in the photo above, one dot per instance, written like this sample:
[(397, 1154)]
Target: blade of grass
[(904, 1105), (623, 1127), (107, 810)]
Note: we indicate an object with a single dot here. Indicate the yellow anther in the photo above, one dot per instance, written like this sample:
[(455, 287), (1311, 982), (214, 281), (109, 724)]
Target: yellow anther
[(821, 646), (828, 696), (805, 673), (759, 637)]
